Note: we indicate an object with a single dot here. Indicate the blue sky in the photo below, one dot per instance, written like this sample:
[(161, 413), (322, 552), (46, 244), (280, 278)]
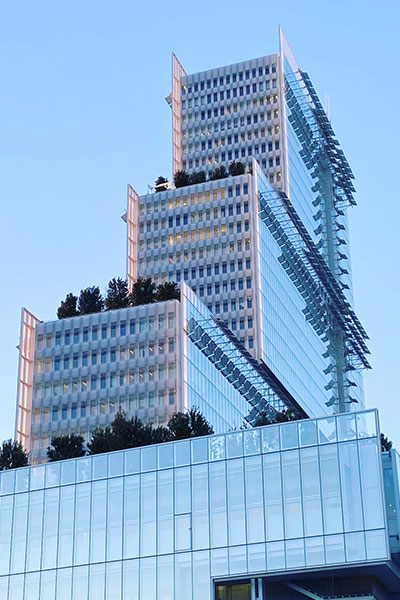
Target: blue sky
[(83, 113)]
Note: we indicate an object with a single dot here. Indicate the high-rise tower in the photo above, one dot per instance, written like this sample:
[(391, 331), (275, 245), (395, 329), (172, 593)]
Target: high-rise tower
[(267, 250)]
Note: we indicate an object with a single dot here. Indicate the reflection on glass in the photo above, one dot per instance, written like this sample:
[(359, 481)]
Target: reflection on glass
[(330, 486), (346, 427), (270, 438), (37, 477), (84, 469), (132, 461), (254, 500), (182, 453), (34, 530), (355, 546), (350, 481), (183, 576), (64, 584), (32, 582), (149, 458), (376, 544), (114, 519), (292, 494), (217, 447), (275, 556), (326, 430), (82, 521), (165, 511), (68, 471), (314, 551), (165, 577), (96, 581), (219, 562), (16, 587), (80, 583), (311, 491), (308, 432), (237, 560), (251, 440), (99, 466), (218, 516), (334, 549), (66, 529), (289, 438), (366, 424), (200, 508), (201, 576), (53, 474), (115, 464), (130, 576), (50, 528), (199, 450), (148, 514), (295, 553), (234, 444), (370, 458), (256, 557), (236, 521), (19, 533), (113, 581)]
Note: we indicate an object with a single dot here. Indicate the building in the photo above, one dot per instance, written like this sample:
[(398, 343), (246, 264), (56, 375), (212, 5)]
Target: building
[(151, 360), (268, 250), (294, 511)]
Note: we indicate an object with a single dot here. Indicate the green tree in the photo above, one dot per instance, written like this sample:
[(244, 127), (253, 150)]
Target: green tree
[(198, 177), (283, 416), (181, 179), (236, 168), (143, 291), (189, 424), (12, 455), (167, 291), (90, 301), (160, 434), (159, 181), (66, 446), (101, 441), (123, 433), (67, 307), (219, 173), (117, 294), (386, 444)]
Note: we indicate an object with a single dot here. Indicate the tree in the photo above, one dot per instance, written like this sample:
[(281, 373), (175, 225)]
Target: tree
[(101, 441), (160, 434), (236, 168), (188, 425), (117, 294), (90, 301), (198, 177), (386, 444), (159, 181), (283, 416), (181, 179), (12, 455), (67, 307), (219, 173), (167, 291), (143, 291), (123, 433), (66, 446)]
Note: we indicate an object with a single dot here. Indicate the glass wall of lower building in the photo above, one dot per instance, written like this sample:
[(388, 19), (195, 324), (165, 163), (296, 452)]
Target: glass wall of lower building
[(160, 522)]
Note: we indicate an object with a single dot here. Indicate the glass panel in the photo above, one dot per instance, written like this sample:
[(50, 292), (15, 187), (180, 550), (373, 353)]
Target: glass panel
[(165, 511), (219, 562), (131, 516), (201, 576), (16, 587), (34, 530), (19, 532), (273, 497), (376, 544), (37, 477), (308, 432), (183, 576), (68, 471), (32, 581), (346, 427), (115, 464), (82, 521), (330, 486), (199, 450), (148, 511), (53, 471), (66, 529), (366, 424), (234, 444), (165, 456), (237, 560), (355, 546), (113, 581), (182, 532), (251, 440), (182, 490), (165, 577), (50, 524), (149, 458), (254, 500), (256, 557), (99, 466), (289, 438), (236, 521), (98, 525), (217, 447), (275, 556), (64, 584), (270, 438), (200, 509), (8, 482), (114, 519), (326, 430), (96, 582), (130, 579), (218, 516), (350, 481), (132, 461), (370, 455), (84, 469), (295, 553), (80, 583), (311, 491), (292, 494), (182, 453), (334, 549), (22, 479), (314, 551)]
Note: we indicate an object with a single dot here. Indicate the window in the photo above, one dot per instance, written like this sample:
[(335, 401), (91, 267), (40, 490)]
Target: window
[(58, 338), (94, 357), (54, 414), (86, 334), (67, 338), (122, 328), (250, 322), (103, 332), (66, 362), (57, 363), (83, 409), (64, 412), (75, 361), (113, 329), (76, 336), (74, 411)]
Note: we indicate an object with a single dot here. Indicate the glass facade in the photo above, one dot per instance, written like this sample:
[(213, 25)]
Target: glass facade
[(161, 522)]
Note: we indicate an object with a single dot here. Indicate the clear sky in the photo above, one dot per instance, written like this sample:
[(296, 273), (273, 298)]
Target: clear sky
[(82, 113)]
